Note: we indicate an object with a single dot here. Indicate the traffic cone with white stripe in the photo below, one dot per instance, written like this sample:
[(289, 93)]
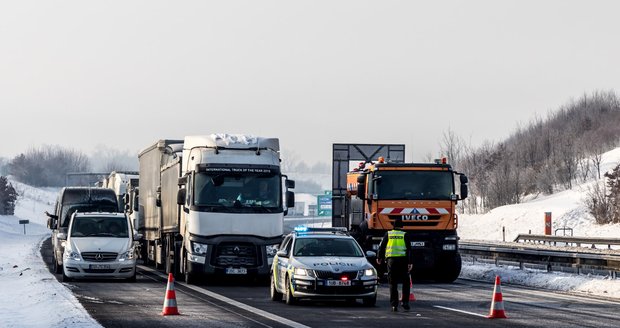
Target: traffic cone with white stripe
[(411, 296), (170, 300), (497, 305)]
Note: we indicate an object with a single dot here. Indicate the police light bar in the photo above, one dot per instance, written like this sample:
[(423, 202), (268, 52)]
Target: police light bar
[(313, 229)]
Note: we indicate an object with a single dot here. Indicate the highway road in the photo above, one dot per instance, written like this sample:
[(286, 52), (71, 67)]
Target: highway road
[(243, 303)]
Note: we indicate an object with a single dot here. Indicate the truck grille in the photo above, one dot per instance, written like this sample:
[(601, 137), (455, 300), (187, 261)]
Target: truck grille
[(99, 256), (335, 275), (236, 255)]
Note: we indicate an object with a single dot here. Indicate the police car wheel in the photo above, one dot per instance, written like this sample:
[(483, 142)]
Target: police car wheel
[(275, 295), (290, 299), (370, 301)]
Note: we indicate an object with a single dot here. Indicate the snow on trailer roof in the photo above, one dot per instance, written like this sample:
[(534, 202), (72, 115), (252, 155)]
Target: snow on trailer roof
[(234, 141)]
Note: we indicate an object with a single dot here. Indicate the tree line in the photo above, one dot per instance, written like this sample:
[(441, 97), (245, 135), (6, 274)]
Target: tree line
[(542, 157)]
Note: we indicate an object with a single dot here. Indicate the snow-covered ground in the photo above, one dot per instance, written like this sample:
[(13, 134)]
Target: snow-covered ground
[(33, 298)]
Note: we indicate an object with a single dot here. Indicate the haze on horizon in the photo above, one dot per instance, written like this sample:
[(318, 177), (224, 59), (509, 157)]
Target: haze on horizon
[(124, 74)]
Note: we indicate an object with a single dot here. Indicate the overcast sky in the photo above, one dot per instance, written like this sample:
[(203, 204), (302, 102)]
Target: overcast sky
[(127, 73)]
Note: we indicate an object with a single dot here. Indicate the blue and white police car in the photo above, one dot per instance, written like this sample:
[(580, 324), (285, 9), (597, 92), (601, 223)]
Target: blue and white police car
[(319, 263)]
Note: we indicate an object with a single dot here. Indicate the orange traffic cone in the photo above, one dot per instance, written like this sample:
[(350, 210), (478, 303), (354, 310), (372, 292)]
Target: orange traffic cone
[(411, 296), (497, 305), (170, 301)]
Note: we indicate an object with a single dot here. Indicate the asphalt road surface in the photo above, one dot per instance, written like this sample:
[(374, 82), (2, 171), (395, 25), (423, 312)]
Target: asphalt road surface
[(241, 302)]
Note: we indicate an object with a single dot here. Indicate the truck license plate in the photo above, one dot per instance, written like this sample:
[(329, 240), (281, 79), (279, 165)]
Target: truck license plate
[(99, 266), (236, 271), (338, 283), (417, 244)]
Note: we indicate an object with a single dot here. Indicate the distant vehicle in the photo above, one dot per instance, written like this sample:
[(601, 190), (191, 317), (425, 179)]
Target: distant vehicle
[(99, 245), (319, 263), (213, 204), (76, 199), (125, 185)]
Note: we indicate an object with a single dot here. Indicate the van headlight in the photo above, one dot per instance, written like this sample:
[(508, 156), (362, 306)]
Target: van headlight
[(128, 255), (272, 250), (199, 249), (71, 255)]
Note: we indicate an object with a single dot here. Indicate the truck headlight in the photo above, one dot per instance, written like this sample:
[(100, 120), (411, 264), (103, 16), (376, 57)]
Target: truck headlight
[(199, 249), (71, 255), (449, 247), (128, 255), (272, 250)]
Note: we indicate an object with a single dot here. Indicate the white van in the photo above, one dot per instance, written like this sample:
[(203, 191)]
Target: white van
[(99, 245)]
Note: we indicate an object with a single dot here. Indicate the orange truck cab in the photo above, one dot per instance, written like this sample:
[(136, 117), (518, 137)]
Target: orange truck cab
[(424, 196)]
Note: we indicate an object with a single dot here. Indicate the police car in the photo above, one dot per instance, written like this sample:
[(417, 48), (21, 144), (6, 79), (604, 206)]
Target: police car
[(317, 263)]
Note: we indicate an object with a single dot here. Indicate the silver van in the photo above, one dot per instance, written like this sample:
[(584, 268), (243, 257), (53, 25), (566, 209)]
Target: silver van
[(99, 245)]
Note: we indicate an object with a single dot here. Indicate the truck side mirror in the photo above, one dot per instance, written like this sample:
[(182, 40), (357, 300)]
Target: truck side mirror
[(289, 183), (361, 187), (464, 188), (158, 197), (290, 199), (181, 197), (61, 236)]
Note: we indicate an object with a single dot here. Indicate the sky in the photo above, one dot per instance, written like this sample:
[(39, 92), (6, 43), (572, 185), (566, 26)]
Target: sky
[(26, 281), (126, 73)]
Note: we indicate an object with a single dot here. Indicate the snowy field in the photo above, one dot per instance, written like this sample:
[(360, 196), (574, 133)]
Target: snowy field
[(33, 298)]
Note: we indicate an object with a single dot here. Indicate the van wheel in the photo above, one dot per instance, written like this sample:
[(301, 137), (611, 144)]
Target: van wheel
[(57, 268), (273, 291), (290, 299), (65, 278)]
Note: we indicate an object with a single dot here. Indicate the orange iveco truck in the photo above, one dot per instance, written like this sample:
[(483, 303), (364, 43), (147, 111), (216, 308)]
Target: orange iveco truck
[(424, 196)]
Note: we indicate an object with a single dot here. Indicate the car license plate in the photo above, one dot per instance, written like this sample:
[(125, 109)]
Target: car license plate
[(236, 271), (99, 266), (338, 283), (417, 244)]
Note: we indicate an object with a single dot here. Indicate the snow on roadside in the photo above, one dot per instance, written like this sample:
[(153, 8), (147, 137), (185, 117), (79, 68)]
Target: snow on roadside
[(33, 297)]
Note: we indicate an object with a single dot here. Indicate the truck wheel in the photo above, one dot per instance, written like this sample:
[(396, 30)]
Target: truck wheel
[(449, 269), (273, 292), (189, 278), (290, 299)]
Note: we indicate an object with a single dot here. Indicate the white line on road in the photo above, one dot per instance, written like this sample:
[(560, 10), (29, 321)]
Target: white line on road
[(460, 311), (232, 302)]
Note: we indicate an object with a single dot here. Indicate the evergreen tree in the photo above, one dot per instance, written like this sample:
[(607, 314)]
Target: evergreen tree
[(8, 197)]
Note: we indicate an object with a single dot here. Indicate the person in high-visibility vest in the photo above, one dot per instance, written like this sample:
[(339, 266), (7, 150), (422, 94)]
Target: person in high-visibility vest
[(395, 249)]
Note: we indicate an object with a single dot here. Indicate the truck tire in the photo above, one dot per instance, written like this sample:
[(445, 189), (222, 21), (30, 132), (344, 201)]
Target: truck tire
[(188, 277), (449, 269), (273, 291)]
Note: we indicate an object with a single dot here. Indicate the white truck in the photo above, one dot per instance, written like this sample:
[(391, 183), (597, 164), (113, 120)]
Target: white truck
[(213, 204), (125, 185)]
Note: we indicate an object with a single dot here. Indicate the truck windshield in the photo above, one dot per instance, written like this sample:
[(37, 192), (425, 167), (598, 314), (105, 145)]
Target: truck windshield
[(260, 192), (420, 185)]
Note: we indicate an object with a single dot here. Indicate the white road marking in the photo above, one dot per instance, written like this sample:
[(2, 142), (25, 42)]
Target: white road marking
[(232, 302), (460, 311)]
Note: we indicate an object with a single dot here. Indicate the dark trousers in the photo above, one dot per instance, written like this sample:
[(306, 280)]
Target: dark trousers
[(398, 273)]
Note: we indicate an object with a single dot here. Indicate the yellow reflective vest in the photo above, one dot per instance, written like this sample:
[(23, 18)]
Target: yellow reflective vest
[(396, 244)]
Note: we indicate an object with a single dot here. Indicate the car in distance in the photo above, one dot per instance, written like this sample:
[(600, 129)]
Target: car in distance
[(99, 245), (322, 263)]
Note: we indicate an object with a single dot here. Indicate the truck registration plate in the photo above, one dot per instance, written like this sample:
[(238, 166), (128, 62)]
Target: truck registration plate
[(236, 271), (417, 244), (338, 283), (99, 266)]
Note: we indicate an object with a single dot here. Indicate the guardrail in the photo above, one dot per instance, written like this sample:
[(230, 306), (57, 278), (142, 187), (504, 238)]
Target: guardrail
[(576, 262), (568, 240)]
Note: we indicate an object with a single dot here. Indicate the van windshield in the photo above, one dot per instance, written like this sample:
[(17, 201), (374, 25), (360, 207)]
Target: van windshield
[(85, 226)]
